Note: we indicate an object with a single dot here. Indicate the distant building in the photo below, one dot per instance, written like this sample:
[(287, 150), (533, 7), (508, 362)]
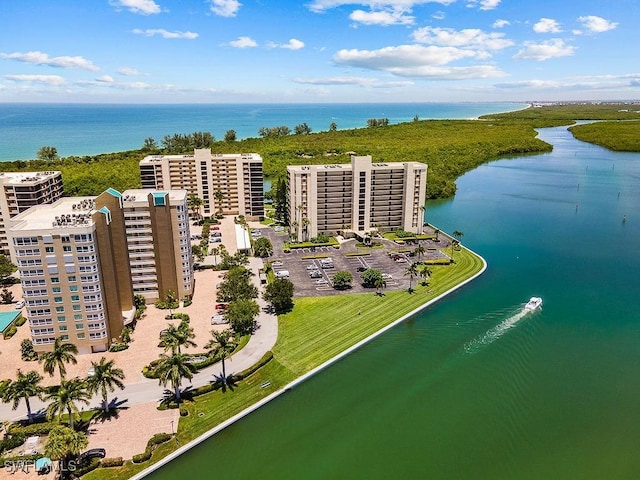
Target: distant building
[(358, 197), (81, 260), (22, 190), (237, 176)]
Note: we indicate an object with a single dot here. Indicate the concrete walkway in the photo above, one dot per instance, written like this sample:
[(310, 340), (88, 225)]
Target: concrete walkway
[(149, 390)]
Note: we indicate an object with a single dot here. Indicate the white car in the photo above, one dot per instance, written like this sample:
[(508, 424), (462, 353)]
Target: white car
[(322, 281), (312, 267), (276, 263), (218, 319), (282, 274), (19, 304)]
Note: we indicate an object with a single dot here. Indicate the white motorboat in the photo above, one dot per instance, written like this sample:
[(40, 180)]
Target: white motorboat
[(533, 304)]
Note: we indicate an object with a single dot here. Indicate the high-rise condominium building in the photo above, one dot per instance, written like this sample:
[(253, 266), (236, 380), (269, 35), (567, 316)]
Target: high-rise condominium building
[(359, 197), (22, 190), (231, 184), (82, 259)]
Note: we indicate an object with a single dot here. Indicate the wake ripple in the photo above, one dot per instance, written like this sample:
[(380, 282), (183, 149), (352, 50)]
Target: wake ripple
[(496, 332)]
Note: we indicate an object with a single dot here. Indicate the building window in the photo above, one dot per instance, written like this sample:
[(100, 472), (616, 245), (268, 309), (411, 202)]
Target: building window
[(49, 250), (56, 289), (80, 336), (65, 238), (57, 299), (62, 328), (72, 278), (55, 280), (73, 288), (77, 317), (64, 337), (62, 318), (59, 309), (66, 248), (76, 308), (79, 326), (75, 298)]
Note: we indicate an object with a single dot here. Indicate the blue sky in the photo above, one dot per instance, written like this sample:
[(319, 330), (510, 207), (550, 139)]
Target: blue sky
[(212, 51)]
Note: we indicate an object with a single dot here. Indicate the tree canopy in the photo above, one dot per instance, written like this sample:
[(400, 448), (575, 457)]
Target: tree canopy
[(279, 293)]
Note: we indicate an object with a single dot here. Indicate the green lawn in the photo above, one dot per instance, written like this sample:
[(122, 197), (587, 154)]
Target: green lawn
[(316, 330)]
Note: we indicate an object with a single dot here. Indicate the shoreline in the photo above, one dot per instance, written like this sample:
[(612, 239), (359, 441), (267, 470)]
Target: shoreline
[(250, 409)]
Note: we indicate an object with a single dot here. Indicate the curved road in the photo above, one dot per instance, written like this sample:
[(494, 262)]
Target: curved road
[(149, 390)]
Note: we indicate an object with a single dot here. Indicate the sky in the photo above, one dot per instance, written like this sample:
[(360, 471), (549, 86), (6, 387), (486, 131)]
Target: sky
[(318, 51)]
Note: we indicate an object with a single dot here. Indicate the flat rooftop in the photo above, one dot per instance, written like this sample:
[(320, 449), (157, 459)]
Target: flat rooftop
[(67, 212), (20, 178)]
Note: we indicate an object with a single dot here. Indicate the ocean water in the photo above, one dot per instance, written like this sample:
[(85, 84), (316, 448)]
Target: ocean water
[(471, 389), (88, 129)]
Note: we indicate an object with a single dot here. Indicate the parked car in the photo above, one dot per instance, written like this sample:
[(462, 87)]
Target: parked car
[(327, 265), (218, 319), (216, 240), (215, 234), (282, 274), (312, 267), (315, 274), (19, 304), (387, 276), (361, 269), (276, 263), (214, 228), (221, 306), (322, 281), (92, 453)]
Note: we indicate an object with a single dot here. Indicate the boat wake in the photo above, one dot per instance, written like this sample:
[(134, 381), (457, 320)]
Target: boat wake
[(496, 332)]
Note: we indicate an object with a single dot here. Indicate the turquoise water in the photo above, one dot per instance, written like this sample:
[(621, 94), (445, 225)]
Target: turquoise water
[(468, 389), (86, 129)]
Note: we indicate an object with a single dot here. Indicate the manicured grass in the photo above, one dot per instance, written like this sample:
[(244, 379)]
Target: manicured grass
[(316, 330)]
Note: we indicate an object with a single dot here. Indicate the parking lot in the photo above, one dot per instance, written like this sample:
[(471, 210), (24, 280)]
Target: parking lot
[(312, 276)]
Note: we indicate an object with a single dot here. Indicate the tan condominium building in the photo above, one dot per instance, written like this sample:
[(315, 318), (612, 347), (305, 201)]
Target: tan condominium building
[(81, 260), (22, 190), (358, 197), (231, 184)]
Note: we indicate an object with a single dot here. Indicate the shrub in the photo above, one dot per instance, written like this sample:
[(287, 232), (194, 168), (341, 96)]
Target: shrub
[(12, 441), (10, 332), (21, 321), (112, 462), (178, 316), (87, 467), (183, 412), (19, 458), (34, 429), (142, 457), (187, 301), (157, 439), (118, 347), (27, 353)]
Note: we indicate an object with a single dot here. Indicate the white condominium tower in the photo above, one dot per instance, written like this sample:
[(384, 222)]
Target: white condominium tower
[(359, 197), (22, 190), (81, 260), (231, 184)]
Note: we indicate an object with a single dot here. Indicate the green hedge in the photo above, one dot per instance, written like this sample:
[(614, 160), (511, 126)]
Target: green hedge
[(142, 457), (266, 358), (111, 462), (10, 332), (34, 429), (21, 321), (19, 458), (157, 439), (87, 467), (12, 441)]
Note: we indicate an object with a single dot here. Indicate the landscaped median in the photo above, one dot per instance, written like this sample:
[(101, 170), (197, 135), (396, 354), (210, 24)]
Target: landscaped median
[(314, 333)]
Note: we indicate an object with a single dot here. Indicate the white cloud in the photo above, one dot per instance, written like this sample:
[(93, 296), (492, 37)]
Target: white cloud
[(468, 37), (406, 5), (54, 80), (225, 8), (439, 15), (483, 4), (547, 25), (142, 7), (594, 24), (501, 23), (358, 81), (243, 42), (151, 32), (130, 72), (382, 17), (294, 44), (40, 58), (105, 79), (545, 50), (417, 61)]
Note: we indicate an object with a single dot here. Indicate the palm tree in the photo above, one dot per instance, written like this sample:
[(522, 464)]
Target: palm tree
[(305, 228), (224, 343), (436, 232), (412, 271), (172, 369), (215, 251), (194, 203), (419, 251), (62, 353), (293, 231), (425, 273), (458, 234), (63, 443), (105, 377), (379, 282), (219, 196), (172, 337), (63, 400), (25, 386)]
